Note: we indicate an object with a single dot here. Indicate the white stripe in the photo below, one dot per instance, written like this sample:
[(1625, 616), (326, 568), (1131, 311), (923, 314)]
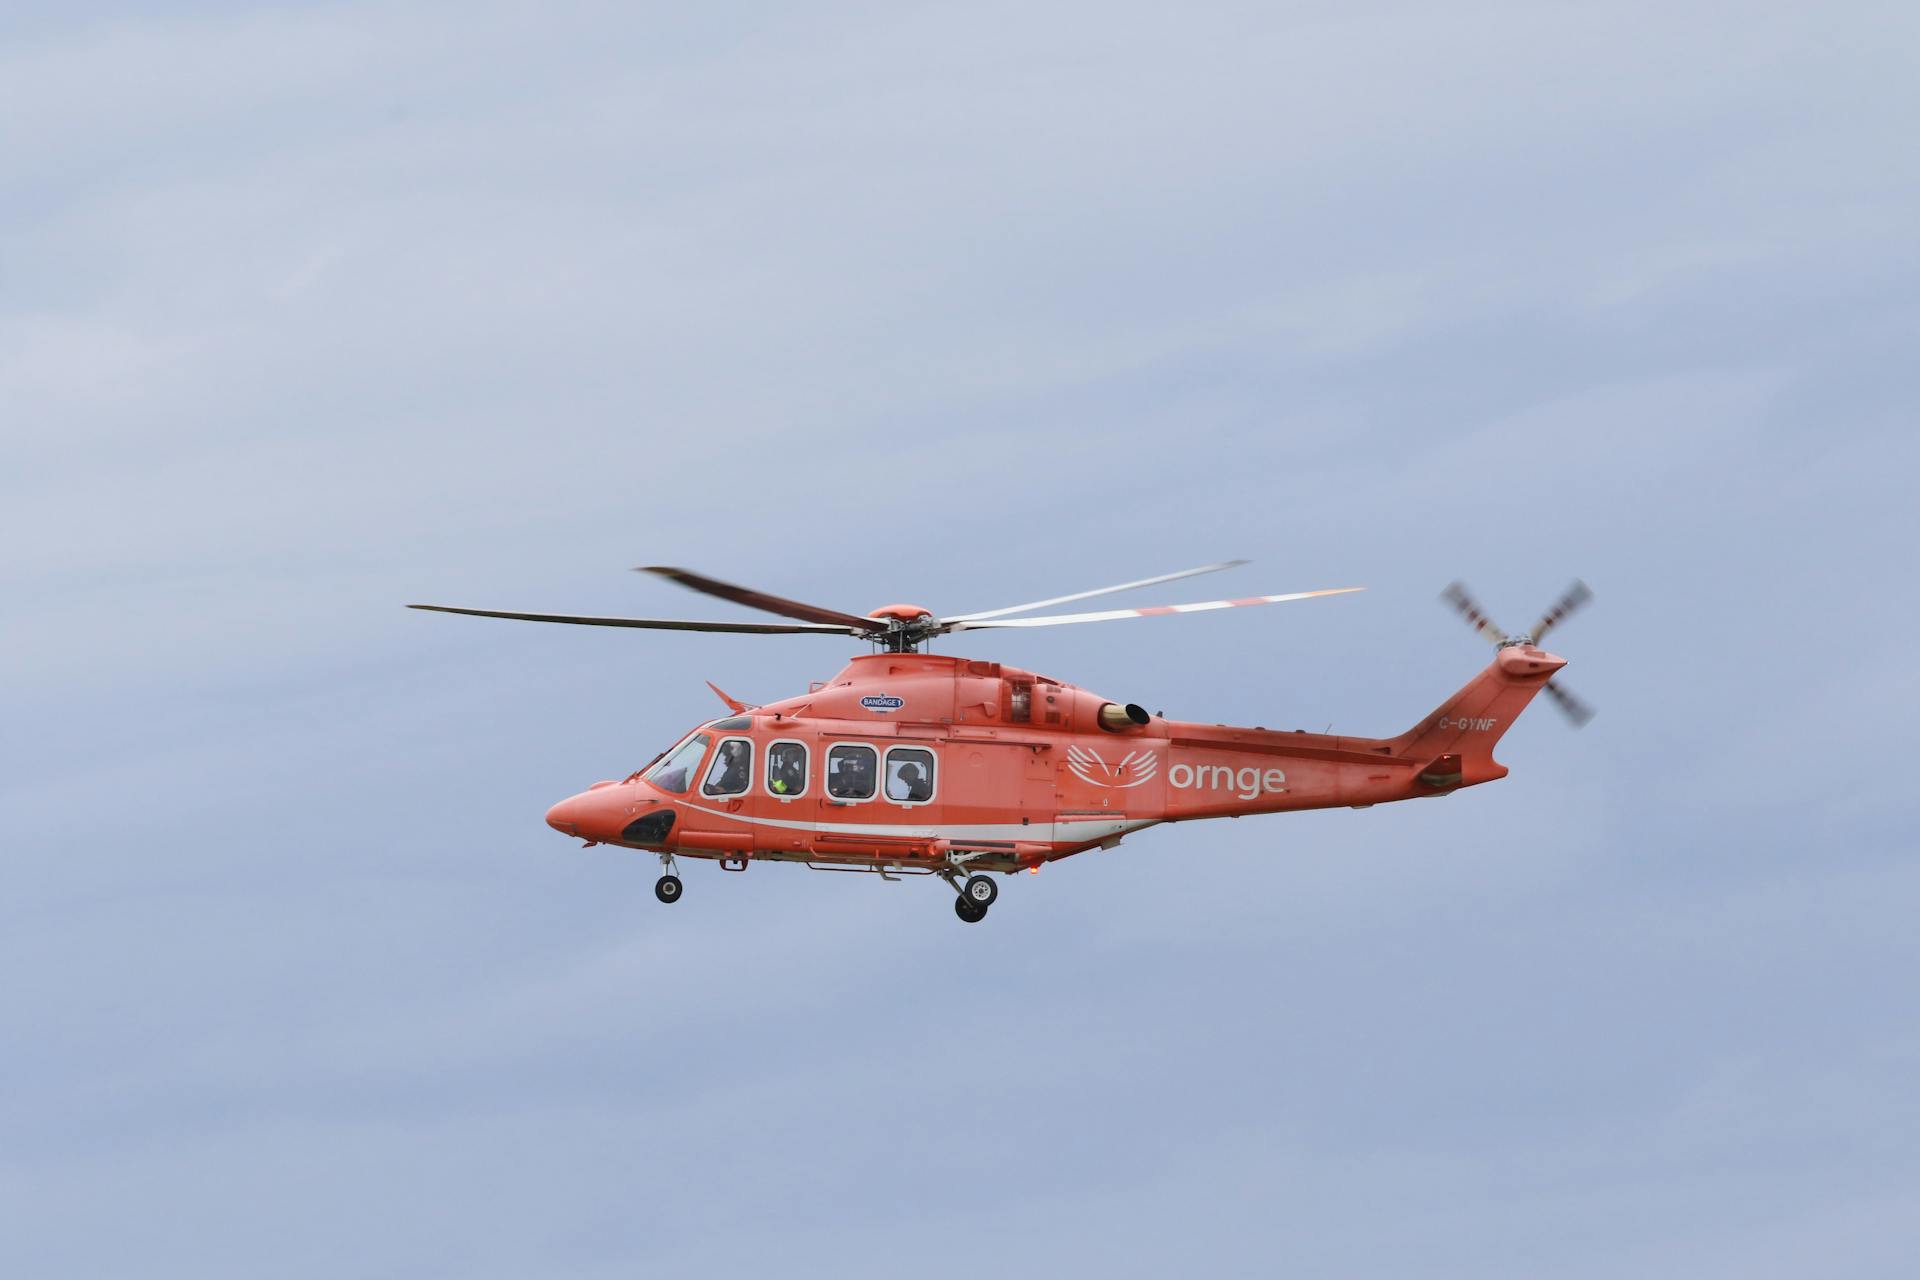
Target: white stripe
[(1046, 833)]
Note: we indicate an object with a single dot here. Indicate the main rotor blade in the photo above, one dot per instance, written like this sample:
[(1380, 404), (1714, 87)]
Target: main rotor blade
[(1576, 710), (761, 600), (1100, 591), (1563, 608), (1109, 615), (1469, 608), (652, 624)]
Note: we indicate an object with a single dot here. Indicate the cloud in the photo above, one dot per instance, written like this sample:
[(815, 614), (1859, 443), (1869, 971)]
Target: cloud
[(314, 312)]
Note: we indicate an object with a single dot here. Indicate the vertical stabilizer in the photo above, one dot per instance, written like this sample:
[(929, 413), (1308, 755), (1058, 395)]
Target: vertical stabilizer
[(1455, 743)]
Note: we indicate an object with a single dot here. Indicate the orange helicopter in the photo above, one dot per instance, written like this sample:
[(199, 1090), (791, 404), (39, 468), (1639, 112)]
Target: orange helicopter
[(913, 763)]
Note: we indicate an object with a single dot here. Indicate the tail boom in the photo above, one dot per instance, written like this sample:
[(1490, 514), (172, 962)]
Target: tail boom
[(1216, 771)]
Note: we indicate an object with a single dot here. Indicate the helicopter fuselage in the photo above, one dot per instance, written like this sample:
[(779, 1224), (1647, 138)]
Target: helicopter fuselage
[(917, 762)]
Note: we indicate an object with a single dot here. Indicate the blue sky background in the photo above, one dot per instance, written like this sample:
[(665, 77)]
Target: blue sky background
[(309, 312)]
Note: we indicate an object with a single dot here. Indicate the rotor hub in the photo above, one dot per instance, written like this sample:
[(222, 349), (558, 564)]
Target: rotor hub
[(908, 626), (901, 612)]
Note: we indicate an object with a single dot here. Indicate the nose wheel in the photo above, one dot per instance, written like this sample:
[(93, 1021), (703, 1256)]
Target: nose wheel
[(667, 888), (968, 911)]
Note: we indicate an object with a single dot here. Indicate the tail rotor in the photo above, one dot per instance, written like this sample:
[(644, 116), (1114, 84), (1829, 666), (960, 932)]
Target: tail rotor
[(1563, 608), (1463, 602), (1569, 603), (1574, 709)]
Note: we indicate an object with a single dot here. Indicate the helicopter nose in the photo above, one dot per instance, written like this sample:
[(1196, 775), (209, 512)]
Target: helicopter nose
[(596, 814), (564, 817)]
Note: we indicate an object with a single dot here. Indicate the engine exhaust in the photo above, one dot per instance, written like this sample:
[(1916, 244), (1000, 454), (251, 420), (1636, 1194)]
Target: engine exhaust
[(1114, 717)]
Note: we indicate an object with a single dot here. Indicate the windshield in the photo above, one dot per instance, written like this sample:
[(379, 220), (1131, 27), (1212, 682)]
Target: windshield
[(674, 773)]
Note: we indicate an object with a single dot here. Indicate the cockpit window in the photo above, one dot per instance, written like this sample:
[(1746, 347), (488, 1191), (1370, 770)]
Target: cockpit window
[(732, 722), (674, 773), (731, 770)]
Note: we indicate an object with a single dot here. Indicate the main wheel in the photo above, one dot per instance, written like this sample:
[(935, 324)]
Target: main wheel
[(971, 912), (667, 888), (980, 890)]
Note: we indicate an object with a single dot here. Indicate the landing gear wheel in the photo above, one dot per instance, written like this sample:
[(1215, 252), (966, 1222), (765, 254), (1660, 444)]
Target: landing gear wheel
[(980, 891), (971, 912), (667, 888)]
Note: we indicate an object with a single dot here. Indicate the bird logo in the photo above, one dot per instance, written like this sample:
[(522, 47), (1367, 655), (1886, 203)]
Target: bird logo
[(1136, 768)]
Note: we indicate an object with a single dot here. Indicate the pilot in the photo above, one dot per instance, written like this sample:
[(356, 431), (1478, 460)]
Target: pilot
[(913, 786), (733, 774)]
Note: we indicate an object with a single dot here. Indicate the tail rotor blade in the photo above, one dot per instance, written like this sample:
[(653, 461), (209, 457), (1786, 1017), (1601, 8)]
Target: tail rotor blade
[(1467, 607), (1574, 709), (1563, 608)]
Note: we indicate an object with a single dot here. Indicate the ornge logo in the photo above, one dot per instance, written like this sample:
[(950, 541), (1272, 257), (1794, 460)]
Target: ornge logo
[(1136, 768), (1249, 783)]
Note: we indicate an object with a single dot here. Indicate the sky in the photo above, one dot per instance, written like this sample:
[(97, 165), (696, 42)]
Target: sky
[(311, 311)]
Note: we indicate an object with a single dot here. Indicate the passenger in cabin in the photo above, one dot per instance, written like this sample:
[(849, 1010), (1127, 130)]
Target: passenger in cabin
[(789, 771), (909, 785), (853, 775)]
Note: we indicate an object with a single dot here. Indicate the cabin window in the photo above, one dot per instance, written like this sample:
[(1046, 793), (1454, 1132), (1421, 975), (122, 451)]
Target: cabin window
[(909, 775), (731, 770), (850, 770), (787, 769), (674, 773)]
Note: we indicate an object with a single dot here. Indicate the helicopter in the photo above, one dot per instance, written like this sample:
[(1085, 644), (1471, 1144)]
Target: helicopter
[(911, 763)]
